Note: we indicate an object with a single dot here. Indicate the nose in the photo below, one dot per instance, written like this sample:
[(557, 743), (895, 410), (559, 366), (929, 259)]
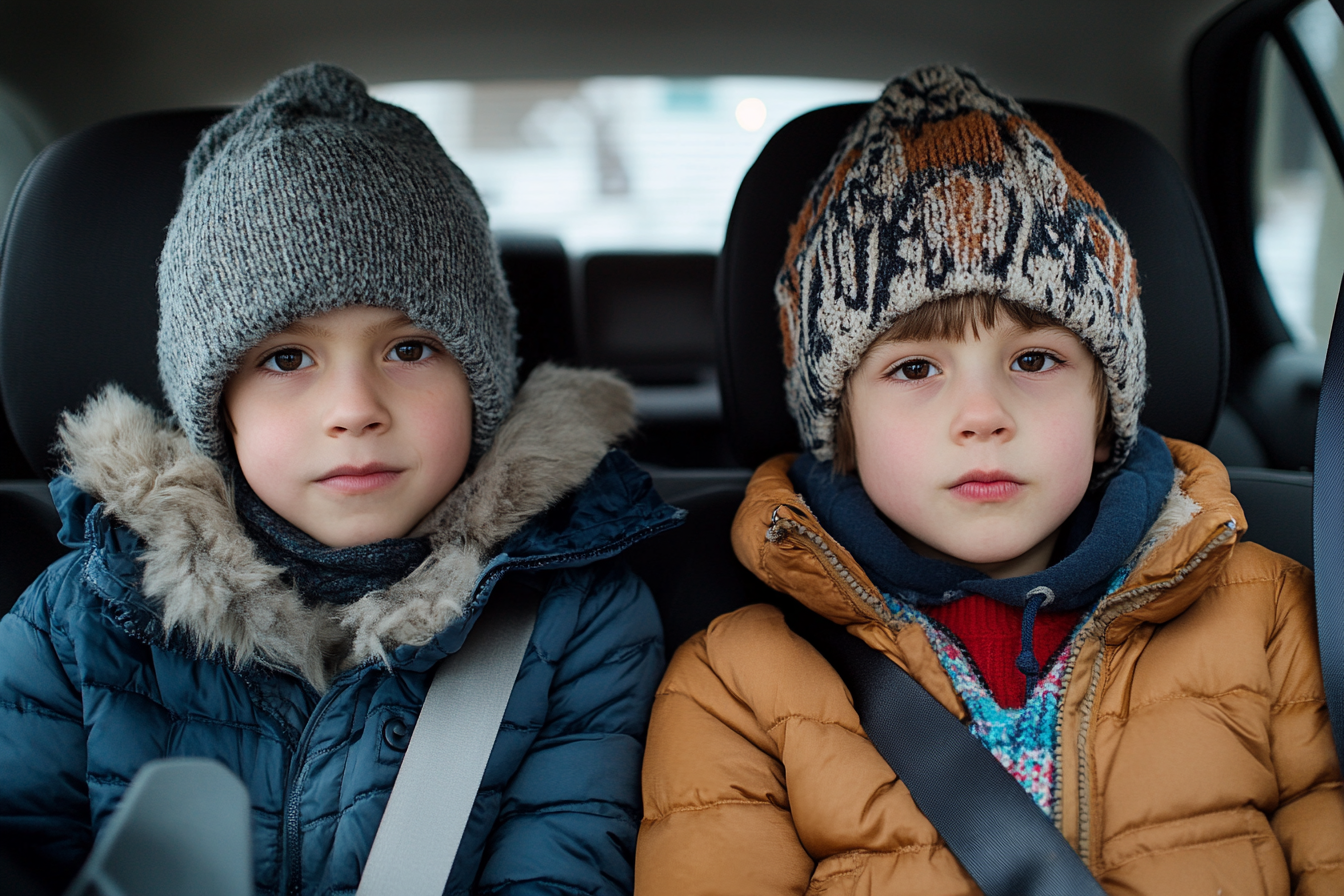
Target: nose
[(981, 414), (353, 403)]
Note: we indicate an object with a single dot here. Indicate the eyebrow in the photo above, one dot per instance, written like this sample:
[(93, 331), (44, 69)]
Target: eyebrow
[(302, 328)]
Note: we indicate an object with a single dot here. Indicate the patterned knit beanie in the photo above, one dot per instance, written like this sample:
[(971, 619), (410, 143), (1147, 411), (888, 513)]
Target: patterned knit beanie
[(311, 197), (947, 188)]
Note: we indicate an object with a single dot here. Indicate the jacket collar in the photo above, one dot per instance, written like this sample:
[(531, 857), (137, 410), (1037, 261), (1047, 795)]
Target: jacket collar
[(1186, 549), (777, 538), (168, 509), (1099, 535)]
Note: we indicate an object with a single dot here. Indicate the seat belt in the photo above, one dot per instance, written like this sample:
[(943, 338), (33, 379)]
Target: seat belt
[(989, 822), (440, 775), (1327, 512)]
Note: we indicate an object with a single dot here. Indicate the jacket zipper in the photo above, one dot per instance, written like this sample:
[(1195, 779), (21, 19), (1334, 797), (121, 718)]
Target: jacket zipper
[(782, 528), (292, 855), (1122, 602)]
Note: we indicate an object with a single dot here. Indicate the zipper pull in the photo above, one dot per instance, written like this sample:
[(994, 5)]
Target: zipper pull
[(777, 526)]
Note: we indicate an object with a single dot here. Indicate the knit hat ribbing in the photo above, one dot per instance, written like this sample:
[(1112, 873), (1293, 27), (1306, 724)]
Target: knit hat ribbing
[(314, 196), (946, 188)]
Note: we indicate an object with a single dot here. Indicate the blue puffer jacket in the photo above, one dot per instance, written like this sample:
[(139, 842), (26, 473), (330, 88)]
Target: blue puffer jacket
[(163, 635)]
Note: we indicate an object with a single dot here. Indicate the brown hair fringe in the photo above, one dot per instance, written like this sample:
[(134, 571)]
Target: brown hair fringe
[(949, 319)]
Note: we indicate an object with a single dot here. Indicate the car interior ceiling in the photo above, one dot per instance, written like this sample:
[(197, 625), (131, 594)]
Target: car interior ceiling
[(672, 322), (84, 61)]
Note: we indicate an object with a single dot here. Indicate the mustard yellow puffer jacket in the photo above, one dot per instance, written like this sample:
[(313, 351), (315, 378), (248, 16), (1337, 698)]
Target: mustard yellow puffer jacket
[(1194, 753)]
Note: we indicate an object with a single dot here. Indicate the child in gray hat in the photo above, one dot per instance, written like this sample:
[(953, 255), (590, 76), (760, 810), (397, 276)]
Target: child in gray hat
[(271, 578)]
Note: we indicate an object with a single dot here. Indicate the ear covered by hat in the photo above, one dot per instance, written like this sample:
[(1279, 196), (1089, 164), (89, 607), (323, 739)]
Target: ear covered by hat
[(945, 188), (310, 197)]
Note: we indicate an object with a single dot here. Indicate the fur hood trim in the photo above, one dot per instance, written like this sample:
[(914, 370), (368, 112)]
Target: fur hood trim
[(205, 575)]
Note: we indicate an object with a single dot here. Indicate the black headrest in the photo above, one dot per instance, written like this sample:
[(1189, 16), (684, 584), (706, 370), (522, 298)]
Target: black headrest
[(78, 267), (1186, 320), (650, 314), (78, 301), (537, 268)]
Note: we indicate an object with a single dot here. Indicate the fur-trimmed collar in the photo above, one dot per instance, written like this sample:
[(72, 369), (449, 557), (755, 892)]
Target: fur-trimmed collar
[(207, 578)]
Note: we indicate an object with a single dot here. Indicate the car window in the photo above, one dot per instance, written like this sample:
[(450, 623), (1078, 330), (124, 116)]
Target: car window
[(615, 163), (1298, 193), (1316, 28)]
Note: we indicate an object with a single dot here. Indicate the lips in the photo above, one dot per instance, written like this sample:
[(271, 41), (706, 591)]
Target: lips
[(987, 486), (356, 480)]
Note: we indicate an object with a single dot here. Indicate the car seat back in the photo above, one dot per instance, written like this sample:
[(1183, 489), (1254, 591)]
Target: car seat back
[(650, 315), (78, 269)]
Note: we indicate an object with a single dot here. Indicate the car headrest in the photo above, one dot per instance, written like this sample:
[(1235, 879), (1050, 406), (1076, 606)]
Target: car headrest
[(78, 271), (537, 269), (650, 315), (78, 268), (1186, 320)]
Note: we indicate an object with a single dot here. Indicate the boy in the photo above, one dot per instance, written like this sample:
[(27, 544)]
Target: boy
[(270, 579), (979, 503)]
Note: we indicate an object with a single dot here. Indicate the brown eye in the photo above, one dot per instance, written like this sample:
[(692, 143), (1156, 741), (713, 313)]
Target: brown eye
[(288, 360), (409, 351), (1034, 362), (916, 369)]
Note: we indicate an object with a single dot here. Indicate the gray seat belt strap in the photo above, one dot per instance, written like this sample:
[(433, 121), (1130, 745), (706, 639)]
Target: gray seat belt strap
[(440, 775)]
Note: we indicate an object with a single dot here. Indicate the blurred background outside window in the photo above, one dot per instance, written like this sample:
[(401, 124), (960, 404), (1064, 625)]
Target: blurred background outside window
[(1299, 230), (614, 163)]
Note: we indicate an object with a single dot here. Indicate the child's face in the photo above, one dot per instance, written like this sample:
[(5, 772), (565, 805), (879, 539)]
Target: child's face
[(978, 449), (352, 425)]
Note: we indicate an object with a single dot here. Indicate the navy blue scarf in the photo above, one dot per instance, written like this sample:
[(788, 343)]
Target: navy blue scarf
[(1096, 539), (321, 573)]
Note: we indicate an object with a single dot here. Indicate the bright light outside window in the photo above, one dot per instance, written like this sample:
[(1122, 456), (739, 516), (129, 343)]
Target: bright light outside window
[(1317, 29), (1299, 230), (614, 163)]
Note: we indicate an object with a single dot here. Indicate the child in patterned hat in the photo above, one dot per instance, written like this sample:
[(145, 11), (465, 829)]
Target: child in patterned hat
[(271, 578), (978, 502)]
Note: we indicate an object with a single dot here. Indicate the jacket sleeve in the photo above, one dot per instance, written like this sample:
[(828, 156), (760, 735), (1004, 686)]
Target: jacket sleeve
[(44, 806), (570, 814), (1309, 821), (716, 808)]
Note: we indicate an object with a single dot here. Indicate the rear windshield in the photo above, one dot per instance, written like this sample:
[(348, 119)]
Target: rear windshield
[(614, 163)]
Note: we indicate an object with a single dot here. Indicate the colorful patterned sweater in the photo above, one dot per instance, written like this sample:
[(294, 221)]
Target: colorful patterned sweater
[(1022, 739)]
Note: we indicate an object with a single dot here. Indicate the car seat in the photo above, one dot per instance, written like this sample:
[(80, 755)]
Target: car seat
[(1182, 299)]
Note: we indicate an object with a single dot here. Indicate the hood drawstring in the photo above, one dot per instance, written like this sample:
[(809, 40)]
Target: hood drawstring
[(1026, 663)]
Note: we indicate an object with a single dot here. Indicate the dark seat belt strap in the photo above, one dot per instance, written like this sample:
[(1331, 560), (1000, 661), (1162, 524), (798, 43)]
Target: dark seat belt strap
[(989, 822), (1327, 499)]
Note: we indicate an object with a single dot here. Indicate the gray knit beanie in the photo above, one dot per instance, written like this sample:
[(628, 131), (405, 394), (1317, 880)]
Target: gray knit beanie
[(310, 197), (946, 188)]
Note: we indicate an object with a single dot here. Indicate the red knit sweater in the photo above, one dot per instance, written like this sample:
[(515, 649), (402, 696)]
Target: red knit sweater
[(992, 634)]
